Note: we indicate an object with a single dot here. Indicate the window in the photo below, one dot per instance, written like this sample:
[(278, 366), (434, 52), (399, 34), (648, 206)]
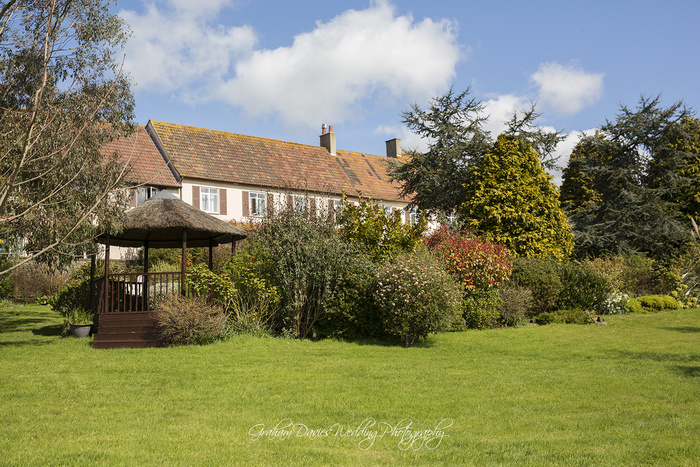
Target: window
[(258, 204), (415, 216), (387, 210), (144, 193), (301, 204), (209, 200)]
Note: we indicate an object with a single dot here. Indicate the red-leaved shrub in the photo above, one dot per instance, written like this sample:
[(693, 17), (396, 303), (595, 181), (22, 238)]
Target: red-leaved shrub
[(473, 261)]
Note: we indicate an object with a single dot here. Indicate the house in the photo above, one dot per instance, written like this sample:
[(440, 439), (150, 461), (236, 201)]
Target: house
[(148, 173), (244, 178)]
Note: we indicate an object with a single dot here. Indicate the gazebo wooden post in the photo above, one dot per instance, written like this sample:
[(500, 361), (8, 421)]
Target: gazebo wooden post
[(106, 284), (183, 287), (92, 283), (145, 306), (211, 254)]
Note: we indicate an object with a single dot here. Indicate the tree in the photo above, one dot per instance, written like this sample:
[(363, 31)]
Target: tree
[(512, 200), (637, 171), (62, 97), (434, 181), (452, 125)]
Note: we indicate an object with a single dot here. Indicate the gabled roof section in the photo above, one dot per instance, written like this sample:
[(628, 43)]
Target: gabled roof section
[(147, 164), (221, 156)]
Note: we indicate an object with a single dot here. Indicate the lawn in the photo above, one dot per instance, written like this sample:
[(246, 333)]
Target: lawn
[(623, 394)]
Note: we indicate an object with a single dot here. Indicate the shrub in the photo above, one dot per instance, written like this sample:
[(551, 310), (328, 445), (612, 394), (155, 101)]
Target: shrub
[(632, 305), (36, 279), (582, 287), (310, 262), (542, 278), (415, 296), (654, 303), (472, 261), (254, 301), (515, 301), (615, 304), (575, 316), (481, 308), (75, 295), (372, 231), (201, 282), (189, 320), (353, 314)]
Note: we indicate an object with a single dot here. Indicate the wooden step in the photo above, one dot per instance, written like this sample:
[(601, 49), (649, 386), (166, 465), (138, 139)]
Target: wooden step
[(125, 330)]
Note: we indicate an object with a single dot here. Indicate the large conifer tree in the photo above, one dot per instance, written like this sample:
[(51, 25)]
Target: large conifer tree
[(512, 200)]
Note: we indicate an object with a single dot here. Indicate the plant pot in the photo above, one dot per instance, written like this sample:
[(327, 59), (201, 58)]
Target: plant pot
[(80, 330)]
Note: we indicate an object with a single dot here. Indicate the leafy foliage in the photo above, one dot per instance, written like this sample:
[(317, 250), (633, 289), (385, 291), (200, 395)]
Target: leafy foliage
[(481, 308), (582, 288), (473, 261), (310, 263), (415, 296), (635, 177), (575, 316), (205, 284), (189, 320), (656, 303), (380, 236), (62, 97), (73, 296), (542, 278), (512, 200)]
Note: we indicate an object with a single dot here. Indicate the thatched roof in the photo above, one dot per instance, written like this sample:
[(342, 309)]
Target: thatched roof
[(161, 219)]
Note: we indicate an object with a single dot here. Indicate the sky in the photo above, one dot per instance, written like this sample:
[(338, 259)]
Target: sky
[(281, 69)]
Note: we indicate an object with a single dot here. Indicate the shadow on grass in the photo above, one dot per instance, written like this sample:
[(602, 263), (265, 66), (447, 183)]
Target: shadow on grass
[(14, 323), (688, 329), (392, 342), (54, 330), (659, 356), (689, 371)]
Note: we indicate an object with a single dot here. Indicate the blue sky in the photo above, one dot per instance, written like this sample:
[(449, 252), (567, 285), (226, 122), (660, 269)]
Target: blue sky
[(281, 69)]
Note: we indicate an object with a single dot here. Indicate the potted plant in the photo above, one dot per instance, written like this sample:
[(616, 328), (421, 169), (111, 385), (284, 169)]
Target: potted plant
[(80, 322)]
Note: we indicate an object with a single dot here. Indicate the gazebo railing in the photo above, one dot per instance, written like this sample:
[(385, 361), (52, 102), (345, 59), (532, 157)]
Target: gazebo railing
[(135, 292)]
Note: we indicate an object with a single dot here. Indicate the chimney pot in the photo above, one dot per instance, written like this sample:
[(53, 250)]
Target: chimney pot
[(328, 140)]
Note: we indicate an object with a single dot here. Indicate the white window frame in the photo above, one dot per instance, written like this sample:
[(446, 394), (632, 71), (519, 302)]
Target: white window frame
[(257, 204), (415, 216), (144, 193), (209, 199)]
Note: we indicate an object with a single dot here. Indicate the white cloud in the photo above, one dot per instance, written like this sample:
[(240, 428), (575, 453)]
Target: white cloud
[(500, 109), (567, 89), (409, 140), (359, 58), (175, 48)]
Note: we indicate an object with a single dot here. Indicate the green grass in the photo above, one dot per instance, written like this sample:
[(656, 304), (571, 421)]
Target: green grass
[(625, 394)]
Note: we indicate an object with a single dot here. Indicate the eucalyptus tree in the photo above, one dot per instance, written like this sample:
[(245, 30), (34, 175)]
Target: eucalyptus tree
[(63, 95)]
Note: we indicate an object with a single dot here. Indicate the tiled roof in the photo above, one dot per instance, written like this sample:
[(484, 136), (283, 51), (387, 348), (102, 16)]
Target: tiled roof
[(229, 157), (147, 165)]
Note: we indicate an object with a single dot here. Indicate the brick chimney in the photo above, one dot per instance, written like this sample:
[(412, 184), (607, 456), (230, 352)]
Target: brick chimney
[(328, 139), (393, 148)]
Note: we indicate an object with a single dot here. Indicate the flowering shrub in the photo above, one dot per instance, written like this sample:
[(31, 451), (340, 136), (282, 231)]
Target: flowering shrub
[(473, 261), (615, 304), (415, 296)]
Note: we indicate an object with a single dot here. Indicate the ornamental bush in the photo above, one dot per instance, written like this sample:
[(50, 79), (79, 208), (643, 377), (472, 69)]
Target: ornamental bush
[(654, 303), (582, 287), (415, 296), (542, 278), (473, 261), (189, 320)]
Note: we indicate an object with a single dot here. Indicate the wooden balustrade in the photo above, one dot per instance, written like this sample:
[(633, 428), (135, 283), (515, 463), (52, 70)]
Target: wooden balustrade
[(135, 292)]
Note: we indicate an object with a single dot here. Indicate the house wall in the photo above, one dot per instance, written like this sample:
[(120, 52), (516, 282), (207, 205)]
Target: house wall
[(236, 205)]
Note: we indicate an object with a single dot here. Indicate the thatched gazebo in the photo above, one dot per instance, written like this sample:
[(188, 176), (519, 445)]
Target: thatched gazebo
[(163, 221)]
